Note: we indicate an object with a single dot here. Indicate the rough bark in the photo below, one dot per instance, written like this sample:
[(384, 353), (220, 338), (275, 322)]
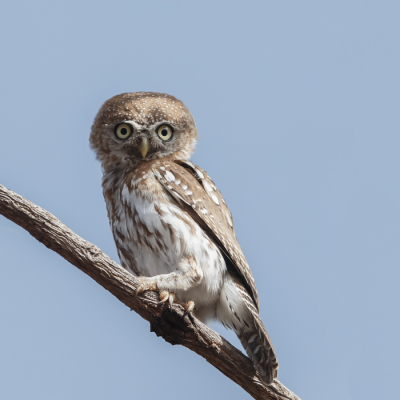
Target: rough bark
[(175, 326)]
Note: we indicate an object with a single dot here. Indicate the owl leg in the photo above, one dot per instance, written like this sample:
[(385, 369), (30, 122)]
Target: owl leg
[(188, 275)]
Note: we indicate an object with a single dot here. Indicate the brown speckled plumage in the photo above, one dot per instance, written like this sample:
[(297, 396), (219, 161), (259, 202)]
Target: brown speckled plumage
[(170, 223)]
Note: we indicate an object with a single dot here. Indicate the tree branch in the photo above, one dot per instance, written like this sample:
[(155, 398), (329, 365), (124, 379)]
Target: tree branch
[(175, 326)]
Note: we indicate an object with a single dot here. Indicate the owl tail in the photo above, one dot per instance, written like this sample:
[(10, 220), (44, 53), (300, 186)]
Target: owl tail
[(247, 324), (258, 346)]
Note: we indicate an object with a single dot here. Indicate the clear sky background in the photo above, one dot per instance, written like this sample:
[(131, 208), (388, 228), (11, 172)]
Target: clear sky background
[(297, 106)]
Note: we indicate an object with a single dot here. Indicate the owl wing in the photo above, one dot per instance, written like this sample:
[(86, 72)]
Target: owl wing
[(196, 192)]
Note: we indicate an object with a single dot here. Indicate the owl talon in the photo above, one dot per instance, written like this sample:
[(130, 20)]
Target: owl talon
[(171, 300), (170, 296), (189, 306), (164, 296), (141, 288), (146, 284)]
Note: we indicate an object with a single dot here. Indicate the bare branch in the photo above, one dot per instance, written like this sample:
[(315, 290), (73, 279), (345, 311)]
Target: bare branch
[(174, 326)]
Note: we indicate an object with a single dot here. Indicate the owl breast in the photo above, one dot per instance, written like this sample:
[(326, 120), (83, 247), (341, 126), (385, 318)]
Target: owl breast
[(154, 235)]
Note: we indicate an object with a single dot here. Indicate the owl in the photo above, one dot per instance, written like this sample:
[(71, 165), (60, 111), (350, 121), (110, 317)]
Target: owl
[(171, 225)]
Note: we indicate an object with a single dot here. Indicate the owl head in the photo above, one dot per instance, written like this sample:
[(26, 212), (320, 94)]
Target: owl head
[(134, 127)]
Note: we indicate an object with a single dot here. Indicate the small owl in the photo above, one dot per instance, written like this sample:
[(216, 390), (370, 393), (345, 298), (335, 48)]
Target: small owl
[(170, 223)]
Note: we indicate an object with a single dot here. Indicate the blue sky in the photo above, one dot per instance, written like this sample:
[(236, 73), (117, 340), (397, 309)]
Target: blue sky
[(297, 106)]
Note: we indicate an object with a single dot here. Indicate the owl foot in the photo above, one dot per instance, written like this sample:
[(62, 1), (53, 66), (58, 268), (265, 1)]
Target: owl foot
[(170, 296), (146, 284), (173, 298)]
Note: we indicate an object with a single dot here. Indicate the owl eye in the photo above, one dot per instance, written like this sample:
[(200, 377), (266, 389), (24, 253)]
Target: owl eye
[(165, 132), (123, 131)]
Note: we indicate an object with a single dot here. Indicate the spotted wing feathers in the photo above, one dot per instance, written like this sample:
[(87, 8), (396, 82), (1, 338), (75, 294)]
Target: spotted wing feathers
[(193, 187)]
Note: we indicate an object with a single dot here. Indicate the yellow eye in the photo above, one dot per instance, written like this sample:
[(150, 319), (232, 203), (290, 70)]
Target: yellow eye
[(165, 132), (123, 131)]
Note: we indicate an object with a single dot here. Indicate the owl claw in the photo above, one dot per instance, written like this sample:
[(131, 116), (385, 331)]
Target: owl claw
[(171, 300), (140, 288), (189, 306), (146, 284), (171, 297), (164, 296)]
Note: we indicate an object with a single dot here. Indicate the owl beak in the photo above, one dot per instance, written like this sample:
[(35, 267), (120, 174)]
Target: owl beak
[(144, 146)]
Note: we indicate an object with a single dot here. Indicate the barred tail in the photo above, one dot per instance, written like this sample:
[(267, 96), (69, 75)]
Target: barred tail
[(258, 346), (255, 339)]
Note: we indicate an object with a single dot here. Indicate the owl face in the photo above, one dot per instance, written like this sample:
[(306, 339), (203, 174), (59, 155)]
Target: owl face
[(134, 127)]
